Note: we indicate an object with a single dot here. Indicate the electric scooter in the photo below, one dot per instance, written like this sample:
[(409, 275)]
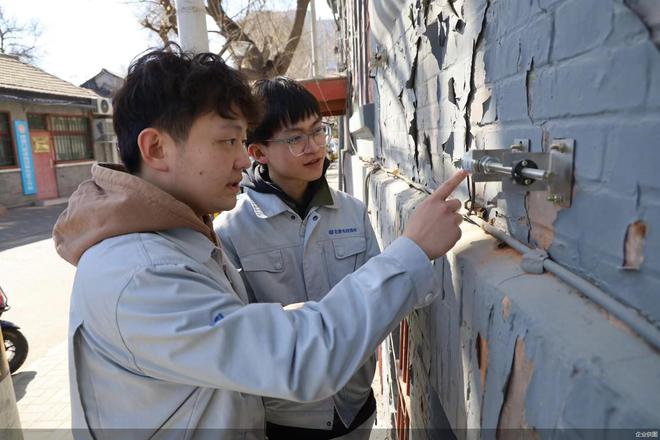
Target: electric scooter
[(16, 346)]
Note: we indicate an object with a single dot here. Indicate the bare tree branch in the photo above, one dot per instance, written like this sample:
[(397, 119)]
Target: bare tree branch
[(19, 39), (283, 59), (266, 56)]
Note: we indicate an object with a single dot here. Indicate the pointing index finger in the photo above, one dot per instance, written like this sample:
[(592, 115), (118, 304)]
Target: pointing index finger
[(444, 190)]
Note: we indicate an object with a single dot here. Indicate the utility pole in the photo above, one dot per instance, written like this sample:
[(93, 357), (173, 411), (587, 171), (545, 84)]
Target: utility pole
[(316, 68), (191, 20)]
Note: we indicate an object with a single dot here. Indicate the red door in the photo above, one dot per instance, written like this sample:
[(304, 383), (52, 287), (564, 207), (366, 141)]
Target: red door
[(43, 156)]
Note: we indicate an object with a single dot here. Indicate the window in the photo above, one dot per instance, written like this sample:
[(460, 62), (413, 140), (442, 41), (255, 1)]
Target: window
[(7, 156), (37, 122), (71, 138)]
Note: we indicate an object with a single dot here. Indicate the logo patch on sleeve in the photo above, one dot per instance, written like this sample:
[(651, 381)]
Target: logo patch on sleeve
[(217, 318)]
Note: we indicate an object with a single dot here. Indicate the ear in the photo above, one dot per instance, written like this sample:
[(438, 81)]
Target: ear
[(258, 152), (151, 142)]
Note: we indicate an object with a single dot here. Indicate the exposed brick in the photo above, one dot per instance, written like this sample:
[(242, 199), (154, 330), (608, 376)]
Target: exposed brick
[(510, 15), (68, 178), (512, 99), (548, 4), (653, 98), (572, 34), (514, 53), (604, 81), (591, 144), (630, 159), (11, 193), (627, 25)]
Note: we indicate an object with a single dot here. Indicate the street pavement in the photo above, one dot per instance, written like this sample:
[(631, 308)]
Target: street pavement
[(28, 224), (38, 284)]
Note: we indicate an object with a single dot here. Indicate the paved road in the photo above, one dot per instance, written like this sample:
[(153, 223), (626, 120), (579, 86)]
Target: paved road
[(26, 225), (36, 280)]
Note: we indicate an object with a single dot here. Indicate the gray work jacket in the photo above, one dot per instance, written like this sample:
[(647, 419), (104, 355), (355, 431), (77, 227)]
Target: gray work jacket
[(162, 345), (286, 259)]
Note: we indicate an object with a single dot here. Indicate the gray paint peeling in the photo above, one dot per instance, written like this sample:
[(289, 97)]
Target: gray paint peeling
[(633, 252), (537, 366), (480, 74)]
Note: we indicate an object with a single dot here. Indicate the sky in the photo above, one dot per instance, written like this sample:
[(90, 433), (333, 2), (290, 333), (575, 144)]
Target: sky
[(80, 37)]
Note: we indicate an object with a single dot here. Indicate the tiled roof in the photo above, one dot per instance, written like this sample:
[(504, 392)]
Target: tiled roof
[(16, 75)]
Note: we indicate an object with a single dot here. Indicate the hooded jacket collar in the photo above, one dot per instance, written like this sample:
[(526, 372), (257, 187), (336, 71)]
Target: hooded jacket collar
[(114, 202)]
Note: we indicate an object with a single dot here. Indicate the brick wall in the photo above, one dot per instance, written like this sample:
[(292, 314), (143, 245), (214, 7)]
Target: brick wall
[(502, 348), (11, 189), (70, 176)]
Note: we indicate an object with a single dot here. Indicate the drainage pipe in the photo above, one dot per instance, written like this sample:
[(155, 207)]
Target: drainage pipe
[(630, 317)]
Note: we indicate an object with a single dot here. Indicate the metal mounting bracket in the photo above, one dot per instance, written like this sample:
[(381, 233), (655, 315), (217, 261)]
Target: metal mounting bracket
[(522, 171)]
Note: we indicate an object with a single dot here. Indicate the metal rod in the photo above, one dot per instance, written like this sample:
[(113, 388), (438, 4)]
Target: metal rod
[(496, 167), (534, 173), (490, 165), (630, 317)]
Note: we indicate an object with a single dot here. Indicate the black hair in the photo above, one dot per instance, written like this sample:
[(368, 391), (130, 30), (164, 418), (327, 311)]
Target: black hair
[(286, 103), (168, 89)]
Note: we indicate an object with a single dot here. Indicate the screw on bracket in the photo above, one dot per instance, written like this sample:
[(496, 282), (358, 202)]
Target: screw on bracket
[(562, 148)]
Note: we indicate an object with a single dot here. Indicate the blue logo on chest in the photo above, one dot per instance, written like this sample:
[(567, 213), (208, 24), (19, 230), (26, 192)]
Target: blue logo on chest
[(341, 231)]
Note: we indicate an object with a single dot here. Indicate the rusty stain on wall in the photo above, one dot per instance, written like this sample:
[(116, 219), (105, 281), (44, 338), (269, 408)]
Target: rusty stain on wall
[(633, 248), (542, 215), (512, 415), (482, 359), (506, 307), (482, 101)]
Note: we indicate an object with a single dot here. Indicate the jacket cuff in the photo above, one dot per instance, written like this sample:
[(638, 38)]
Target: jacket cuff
[(418, 266)]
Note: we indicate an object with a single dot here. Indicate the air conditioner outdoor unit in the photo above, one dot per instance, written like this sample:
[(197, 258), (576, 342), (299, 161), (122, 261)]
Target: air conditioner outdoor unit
[(103, 106), (103, 130)]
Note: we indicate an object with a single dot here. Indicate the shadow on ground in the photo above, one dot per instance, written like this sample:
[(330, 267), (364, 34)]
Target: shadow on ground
[(21, 381), (25, 225)]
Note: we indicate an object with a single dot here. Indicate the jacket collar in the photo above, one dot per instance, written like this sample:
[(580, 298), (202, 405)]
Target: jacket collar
[(191, 242), (267, 205), (114, 202)]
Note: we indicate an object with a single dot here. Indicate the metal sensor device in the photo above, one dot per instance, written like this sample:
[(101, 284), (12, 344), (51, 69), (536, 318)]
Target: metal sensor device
[(522, 171)]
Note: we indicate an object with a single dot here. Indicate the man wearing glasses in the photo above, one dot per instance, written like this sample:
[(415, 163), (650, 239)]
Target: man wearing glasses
[(293, 238)]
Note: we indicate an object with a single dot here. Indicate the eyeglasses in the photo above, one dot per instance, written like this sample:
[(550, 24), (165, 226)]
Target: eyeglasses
[(298, 143)]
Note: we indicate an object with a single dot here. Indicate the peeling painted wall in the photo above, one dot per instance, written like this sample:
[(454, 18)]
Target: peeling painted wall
[(479, 74), (503, 348)]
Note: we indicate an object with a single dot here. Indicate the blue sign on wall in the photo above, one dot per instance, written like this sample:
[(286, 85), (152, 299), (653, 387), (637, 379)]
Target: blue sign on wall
[(24, 149)]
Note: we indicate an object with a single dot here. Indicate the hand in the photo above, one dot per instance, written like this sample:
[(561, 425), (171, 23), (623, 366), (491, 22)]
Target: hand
[(434, 225)]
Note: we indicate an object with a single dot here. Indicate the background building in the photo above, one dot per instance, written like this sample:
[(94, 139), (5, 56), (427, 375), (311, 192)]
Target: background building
[(509, 345), (46, 134)]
